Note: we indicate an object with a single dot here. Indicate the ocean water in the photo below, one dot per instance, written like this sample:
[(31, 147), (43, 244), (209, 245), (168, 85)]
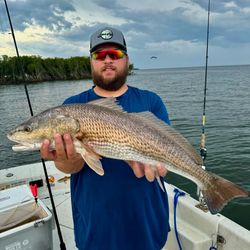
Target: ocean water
[(181, 89)]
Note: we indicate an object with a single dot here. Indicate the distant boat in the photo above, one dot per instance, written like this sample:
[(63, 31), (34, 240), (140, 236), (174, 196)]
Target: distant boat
[(153, 57)]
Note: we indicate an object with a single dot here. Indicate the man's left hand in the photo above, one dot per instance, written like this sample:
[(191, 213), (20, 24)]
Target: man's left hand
[(147, 170)]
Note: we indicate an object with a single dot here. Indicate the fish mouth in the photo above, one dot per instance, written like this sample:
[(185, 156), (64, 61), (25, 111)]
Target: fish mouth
[(30, 146), (26, 147)]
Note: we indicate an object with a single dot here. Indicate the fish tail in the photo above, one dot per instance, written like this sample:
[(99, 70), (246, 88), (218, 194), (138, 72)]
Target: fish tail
[(219, 191)]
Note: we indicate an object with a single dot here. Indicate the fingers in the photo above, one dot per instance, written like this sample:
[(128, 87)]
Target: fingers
[(147, 170), (153, 171), (137, 168), (162, 171), (45, 152), (64, 148), (60, 147), (69, 146), (44, 148), (65, 156)]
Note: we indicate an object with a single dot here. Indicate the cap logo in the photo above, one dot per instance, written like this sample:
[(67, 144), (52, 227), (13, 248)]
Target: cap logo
[(106, 34)]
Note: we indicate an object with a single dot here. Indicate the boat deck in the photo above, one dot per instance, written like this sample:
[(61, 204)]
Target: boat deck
[(197, 229), (61, 195), (63, 207)]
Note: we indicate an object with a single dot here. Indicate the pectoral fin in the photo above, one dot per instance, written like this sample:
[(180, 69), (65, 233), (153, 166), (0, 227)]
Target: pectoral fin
[(160, 183), (94, 163), (89, 156)]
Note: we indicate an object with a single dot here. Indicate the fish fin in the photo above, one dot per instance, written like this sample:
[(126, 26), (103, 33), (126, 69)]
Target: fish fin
[(89, 156), (95, 164), (220, 191), (160, 183), (171, 133), (158, 178), (110, 103)]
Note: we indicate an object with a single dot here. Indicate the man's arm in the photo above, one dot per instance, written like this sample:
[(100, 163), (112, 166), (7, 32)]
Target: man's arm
[(65, 156)]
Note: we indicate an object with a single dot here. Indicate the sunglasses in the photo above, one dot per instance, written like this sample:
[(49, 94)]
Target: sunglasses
[(114, 54)]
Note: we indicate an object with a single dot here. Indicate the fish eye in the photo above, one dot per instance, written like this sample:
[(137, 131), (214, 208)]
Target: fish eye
[(27, 129)]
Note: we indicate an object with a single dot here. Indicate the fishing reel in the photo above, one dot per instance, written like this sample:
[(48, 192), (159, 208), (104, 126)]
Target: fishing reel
[(203, 153)]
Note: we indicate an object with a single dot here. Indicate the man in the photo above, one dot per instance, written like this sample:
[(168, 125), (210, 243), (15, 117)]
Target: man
[(125, 208)]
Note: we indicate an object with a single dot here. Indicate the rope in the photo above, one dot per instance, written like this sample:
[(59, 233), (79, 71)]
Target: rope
[(213, 248), (214, 240), (178, 193)]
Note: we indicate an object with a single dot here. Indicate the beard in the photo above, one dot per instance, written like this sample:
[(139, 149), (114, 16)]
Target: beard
[(110, 84)]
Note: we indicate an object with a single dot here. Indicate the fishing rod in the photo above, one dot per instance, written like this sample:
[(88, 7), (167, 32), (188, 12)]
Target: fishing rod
[(20, 68), (203, 150)]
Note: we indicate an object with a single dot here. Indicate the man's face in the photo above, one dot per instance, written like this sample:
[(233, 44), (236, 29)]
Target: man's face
[(109, 74)]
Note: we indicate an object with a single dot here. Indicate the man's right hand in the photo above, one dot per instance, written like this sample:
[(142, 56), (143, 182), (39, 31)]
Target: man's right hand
[(65, 156)]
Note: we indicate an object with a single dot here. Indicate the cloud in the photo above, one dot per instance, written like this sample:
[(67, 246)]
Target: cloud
[(169, 52), (231, 5), (92, 12), (176, 46), (46, 13), (175, 29)]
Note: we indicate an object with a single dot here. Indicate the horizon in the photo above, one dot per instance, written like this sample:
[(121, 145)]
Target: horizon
[(136, 68)]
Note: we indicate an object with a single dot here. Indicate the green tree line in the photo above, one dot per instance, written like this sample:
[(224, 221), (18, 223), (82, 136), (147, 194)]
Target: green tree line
[(37, 69)]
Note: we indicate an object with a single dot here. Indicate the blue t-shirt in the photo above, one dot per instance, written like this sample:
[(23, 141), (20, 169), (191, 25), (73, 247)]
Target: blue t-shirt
[(119, 211)]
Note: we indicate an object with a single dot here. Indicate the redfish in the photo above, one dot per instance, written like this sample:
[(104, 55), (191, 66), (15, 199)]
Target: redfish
[(102, 128)]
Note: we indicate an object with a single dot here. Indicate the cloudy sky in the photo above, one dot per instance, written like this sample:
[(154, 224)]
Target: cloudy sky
[(174, 31)]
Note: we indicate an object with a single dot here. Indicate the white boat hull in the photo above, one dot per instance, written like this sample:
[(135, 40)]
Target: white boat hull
[(199, 230)]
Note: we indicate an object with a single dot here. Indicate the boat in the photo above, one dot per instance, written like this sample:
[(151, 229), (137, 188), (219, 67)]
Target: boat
[(195, 228)]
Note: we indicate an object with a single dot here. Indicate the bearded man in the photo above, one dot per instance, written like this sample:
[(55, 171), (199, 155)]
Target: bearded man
[(125, 209)]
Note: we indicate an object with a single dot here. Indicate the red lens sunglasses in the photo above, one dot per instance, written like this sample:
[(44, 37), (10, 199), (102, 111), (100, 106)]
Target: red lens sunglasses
[(114, 54)]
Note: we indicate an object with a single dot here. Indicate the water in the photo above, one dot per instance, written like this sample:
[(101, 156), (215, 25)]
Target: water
[(227, 112)]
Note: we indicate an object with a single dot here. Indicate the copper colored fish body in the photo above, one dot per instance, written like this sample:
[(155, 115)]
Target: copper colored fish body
[(102, 128)]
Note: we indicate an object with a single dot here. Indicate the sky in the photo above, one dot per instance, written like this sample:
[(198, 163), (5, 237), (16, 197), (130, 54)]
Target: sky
[(173, 31)]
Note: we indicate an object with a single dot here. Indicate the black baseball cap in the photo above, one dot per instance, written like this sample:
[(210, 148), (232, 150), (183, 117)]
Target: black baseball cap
[(107, 35)]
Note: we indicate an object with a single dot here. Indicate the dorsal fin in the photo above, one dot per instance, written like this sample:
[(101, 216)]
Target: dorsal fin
[(150, 119), (109, 102)]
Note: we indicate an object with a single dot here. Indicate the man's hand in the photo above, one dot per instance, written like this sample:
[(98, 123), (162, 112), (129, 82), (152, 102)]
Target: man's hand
[(150, 172), (65, 156)]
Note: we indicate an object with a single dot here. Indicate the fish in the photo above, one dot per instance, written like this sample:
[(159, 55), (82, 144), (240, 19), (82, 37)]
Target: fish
[(101, 128)]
